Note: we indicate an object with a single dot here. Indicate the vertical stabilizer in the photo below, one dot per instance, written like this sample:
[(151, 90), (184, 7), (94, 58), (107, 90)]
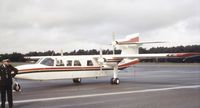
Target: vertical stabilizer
[(127, 48)]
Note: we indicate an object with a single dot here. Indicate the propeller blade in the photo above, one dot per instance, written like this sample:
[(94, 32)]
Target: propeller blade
[(101, 53), (114, 43)]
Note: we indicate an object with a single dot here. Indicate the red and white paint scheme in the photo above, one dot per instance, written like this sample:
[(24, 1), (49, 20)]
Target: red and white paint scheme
[(84, 66)]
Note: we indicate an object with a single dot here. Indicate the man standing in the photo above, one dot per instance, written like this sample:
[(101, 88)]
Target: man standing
[(7, 72)]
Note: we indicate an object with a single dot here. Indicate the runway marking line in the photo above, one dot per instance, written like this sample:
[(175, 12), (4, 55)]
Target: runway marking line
[(106, 94)]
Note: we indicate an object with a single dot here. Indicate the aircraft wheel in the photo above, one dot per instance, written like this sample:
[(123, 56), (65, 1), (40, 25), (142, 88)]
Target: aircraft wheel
[(17, 87), (77, 80), (115, 81), (112, 81)]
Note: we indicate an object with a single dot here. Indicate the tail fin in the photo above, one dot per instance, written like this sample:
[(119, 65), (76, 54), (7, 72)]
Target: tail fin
[(134, 38), (129, 44)]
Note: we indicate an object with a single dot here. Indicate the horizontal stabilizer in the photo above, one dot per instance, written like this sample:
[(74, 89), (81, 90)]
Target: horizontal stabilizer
[(140, 43)]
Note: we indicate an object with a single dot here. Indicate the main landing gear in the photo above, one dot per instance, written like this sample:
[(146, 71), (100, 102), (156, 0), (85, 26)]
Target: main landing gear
[(115, 80), (77, 80)]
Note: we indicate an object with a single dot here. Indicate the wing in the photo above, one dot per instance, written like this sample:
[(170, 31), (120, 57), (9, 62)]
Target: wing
[(131, 59), (158, 55), (34, 57)]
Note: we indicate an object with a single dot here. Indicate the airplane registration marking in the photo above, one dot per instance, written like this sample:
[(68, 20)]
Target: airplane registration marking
[(106, 94)]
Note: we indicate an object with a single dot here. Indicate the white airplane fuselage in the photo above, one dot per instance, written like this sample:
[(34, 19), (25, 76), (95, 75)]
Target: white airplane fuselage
[(84, 66), (65, 67)]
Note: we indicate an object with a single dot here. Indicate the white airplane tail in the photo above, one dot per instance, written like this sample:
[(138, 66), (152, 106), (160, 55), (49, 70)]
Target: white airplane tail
[(129, 45)]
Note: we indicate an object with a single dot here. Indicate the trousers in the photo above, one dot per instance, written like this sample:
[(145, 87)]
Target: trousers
[(7, 89)]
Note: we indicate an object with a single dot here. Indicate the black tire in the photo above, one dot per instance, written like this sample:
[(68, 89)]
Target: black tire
[(112, 81), (77, 80), (17, 87), (117, 81)]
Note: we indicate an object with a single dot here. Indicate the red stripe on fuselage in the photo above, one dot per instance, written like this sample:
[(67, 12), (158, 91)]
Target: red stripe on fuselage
[(186, 54), (59, 69), (78, 68)]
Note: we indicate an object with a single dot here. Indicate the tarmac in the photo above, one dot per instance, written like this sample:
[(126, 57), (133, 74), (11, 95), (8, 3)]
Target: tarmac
[(142, 86)]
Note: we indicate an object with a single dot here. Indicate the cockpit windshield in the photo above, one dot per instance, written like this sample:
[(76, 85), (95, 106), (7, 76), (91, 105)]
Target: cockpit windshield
[(47, 62), (38, 61)]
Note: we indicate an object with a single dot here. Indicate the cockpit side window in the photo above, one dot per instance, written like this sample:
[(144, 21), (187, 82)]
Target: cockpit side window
[(77, 63), (69, 62), (89, 63), (38, 61), (47, 62), (59, 63)]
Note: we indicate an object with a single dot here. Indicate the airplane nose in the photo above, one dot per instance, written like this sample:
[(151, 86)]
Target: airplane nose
[(18, 67)]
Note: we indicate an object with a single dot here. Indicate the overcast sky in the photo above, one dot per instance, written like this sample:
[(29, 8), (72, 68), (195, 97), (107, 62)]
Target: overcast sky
[(41, 25)]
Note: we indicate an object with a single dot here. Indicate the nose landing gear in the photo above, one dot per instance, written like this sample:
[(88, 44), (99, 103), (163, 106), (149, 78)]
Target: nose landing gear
[(115, 79), (16, 86)]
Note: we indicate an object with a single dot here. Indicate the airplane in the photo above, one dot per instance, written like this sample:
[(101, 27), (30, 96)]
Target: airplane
[(77, 67)]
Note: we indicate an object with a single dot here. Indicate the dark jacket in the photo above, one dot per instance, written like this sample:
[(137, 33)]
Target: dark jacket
[(11, 72)]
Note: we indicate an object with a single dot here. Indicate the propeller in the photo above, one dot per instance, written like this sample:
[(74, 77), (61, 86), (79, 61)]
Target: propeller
[(114, 42), (61, 53), (101, 60)]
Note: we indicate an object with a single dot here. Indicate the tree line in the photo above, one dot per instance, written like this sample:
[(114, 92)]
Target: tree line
[(19, 57)]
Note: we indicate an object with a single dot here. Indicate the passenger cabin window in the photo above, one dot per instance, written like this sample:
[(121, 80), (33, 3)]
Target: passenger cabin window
[(89, 63), (59, 63), (77, 63), (69, 62), (47, 62)]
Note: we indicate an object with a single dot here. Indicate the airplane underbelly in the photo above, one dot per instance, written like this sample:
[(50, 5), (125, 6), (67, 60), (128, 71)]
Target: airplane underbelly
[(63, 75)]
